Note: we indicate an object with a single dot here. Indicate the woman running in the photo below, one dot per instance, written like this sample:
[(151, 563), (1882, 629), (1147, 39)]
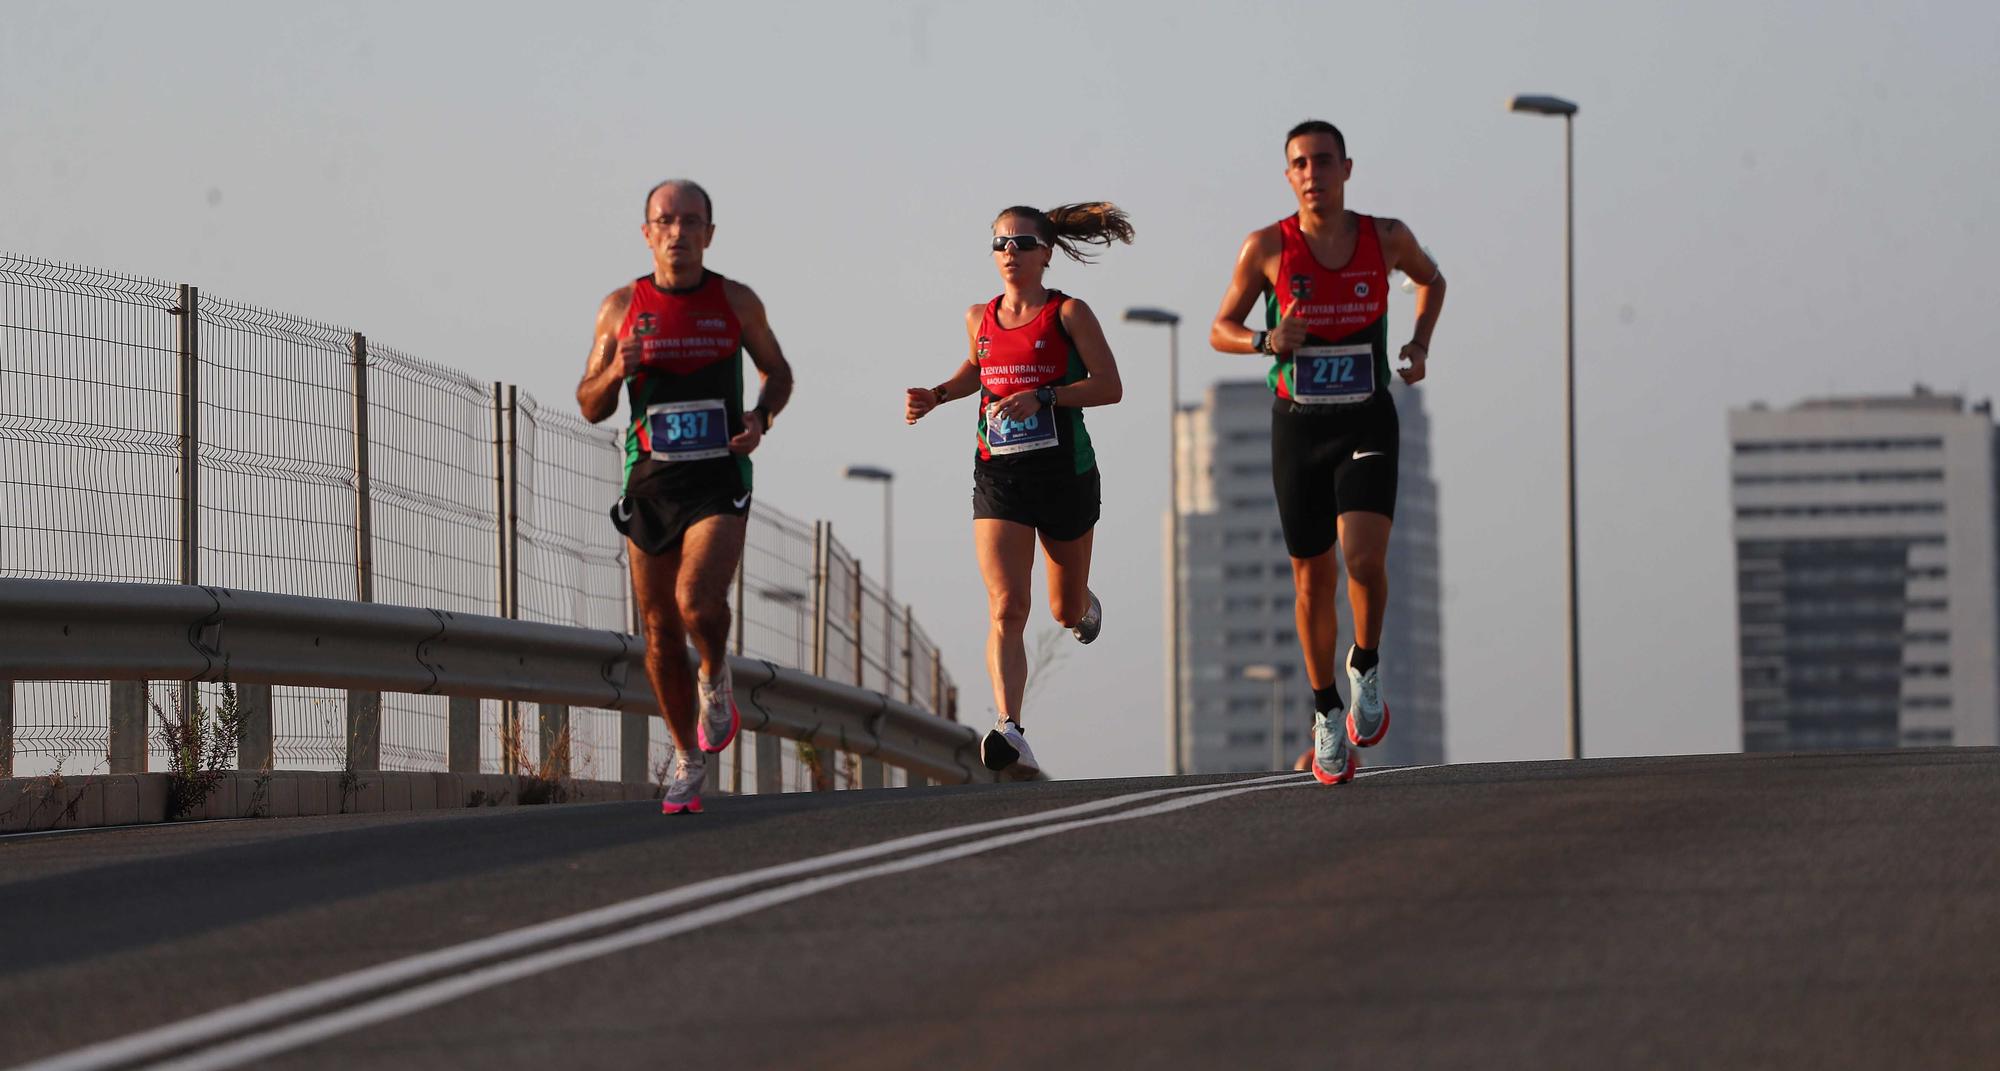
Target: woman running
[(1038, 360)]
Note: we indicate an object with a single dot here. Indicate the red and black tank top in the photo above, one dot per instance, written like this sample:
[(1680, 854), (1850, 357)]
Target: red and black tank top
[(1345, 359), (683, 354), (1038, 353)]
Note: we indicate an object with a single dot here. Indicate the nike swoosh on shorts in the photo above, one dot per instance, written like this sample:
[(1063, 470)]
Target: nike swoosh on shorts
[(1358, 455), (739, 503)]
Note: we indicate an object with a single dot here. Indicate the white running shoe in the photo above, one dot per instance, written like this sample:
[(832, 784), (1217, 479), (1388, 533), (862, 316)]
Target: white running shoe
[(684, 788), (1006, 747), (1368, 714), (720, 719), (1334, 761)]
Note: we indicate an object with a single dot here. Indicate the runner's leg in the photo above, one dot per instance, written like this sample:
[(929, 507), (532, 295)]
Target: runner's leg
[(1316, 580), (1069, 577), (709, 553), (1007, 564), (1364, 541), (653, 583)]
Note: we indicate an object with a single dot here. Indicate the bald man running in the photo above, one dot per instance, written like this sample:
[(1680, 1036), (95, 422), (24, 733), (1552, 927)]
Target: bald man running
[(674, 342)]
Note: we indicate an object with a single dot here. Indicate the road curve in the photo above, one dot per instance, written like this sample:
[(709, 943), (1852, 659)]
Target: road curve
[(1831, 910)]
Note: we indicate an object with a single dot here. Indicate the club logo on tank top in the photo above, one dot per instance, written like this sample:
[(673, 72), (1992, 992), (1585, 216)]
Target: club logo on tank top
[(680, 331)]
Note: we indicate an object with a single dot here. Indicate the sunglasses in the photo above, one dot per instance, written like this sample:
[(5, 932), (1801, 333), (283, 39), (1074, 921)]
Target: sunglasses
[(1026, 243)]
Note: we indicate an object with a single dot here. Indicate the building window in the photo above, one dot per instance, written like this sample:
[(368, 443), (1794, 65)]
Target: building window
[(1865, 509), (1819, 446), (1764, 479)]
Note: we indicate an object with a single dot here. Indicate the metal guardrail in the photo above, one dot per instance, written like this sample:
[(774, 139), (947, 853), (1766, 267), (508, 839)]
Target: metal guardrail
[(57, 630), (154, 432)]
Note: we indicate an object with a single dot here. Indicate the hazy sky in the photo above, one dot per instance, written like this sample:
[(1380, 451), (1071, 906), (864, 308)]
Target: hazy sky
[(1773, 200)]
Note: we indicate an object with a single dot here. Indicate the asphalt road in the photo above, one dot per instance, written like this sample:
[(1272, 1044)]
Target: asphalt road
[(1801, 911)]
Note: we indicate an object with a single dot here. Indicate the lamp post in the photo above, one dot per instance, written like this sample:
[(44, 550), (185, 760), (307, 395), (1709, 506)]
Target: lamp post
[(1544, 105), (1264, 671), (1143, 315), (888, 481)]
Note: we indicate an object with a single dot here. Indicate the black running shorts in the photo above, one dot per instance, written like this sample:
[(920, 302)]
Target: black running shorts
[(1060, 507), (655, 523), (1324, 464)]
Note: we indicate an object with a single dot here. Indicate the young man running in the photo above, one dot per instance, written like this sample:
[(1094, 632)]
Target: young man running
[(674, 341), (1324, 276)]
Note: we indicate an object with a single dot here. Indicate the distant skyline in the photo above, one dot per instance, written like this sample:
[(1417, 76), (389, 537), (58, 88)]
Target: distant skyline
[(1756, 189)]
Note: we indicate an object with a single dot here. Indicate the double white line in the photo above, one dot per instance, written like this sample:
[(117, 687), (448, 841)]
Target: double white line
[(297, 1017)]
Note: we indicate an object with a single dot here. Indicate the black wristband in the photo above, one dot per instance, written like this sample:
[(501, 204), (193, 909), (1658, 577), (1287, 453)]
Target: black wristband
[(765, 412), (1046, 396), (1258, 340)]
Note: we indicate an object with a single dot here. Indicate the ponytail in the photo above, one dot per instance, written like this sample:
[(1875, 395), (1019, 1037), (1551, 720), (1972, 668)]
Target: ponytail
[(1071, 228)]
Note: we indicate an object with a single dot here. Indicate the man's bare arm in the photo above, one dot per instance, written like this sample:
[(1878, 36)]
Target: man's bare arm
[(1405, 254), (604, 372), (1247, 283), (772, 368)]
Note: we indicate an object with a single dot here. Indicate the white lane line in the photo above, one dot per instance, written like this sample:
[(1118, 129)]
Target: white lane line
[(286, 1003), (403, 1002)]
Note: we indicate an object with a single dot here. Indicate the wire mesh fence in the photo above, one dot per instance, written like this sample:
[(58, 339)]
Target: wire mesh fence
[(89, 433), (276, 506), (572, 569), (327, 465), (776, 611), (434, 478)]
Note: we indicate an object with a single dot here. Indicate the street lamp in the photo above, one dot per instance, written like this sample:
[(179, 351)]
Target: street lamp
[(1543, 105), (1264, 671), (888, 481), (1143, 315)]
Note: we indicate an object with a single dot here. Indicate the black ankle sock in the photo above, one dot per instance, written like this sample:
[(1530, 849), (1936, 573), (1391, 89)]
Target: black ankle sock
[(1327, 700), (1362, 659)]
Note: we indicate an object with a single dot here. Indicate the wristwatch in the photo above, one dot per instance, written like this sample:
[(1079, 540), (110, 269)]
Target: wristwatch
[(1046, 396), (765, 412), (1258, 339)]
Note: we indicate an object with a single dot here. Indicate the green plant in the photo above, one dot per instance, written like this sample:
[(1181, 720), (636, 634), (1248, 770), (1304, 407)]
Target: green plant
[(200, 742)]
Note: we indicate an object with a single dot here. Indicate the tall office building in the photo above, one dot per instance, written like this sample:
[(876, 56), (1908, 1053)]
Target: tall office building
[(1237, 597), (1866, 586)]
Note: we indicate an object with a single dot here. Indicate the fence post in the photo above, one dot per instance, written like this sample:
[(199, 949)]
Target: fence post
[(742, 612), (822, 537), (506, 487), (937, 682), (254, 749), (855, 614), (364, 708), (126, 748), (822, 770), (871, 769), (635, 748), (6, 728), (635, 732), (189, 332), (909, 655), (364, 526), (189, 312), (461, 745), (770, 765)]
